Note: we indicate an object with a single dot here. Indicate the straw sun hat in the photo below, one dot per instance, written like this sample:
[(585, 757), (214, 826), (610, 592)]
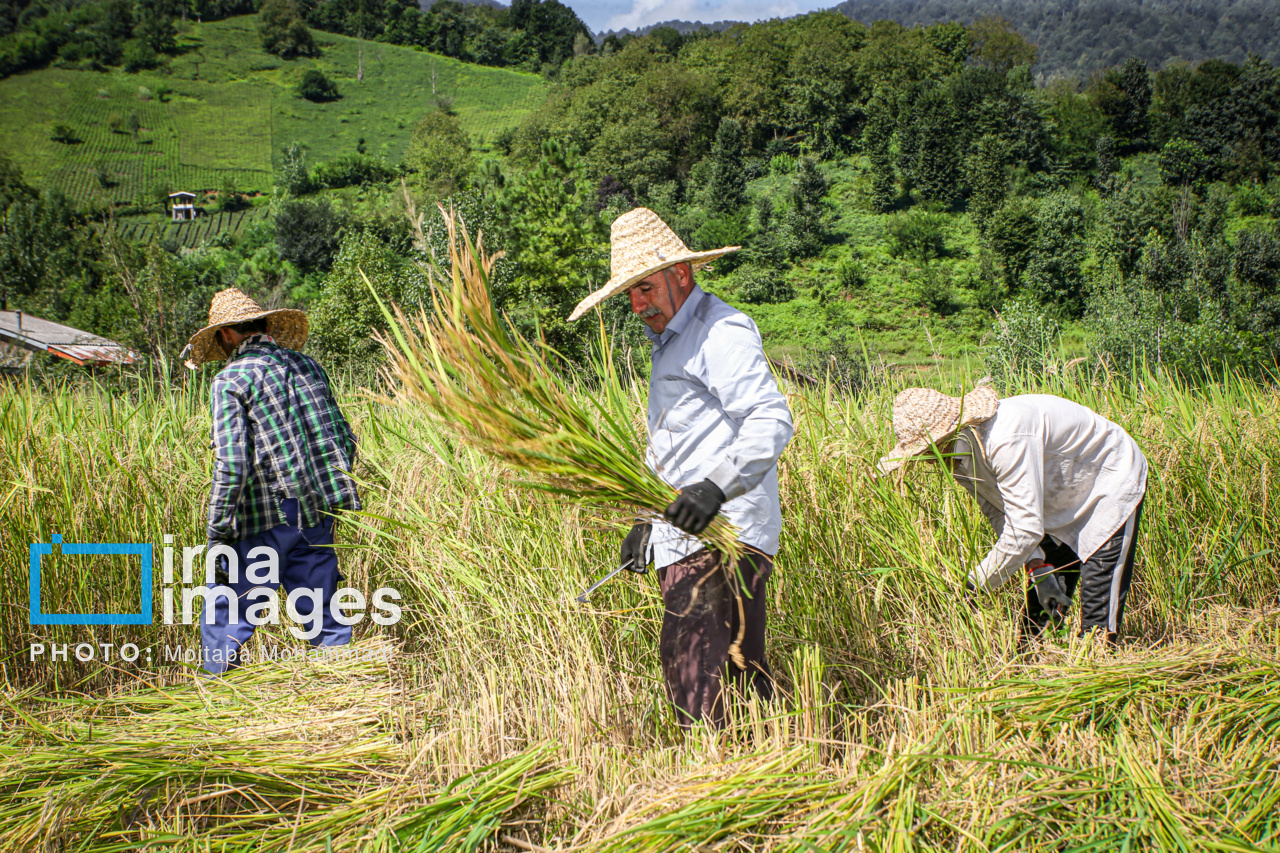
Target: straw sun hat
[(640, 245), (923, 417), (229, 307)]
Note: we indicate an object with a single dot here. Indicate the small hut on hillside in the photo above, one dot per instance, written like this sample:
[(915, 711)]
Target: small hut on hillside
[(182, 206)]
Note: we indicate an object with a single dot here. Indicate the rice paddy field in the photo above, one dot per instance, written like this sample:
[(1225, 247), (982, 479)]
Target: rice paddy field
[(223, 108), (499, 714)]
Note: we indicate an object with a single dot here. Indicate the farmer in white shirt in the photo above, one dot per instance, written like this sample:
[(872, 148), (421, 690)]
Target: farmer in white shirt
[(1061, 485), (717, 425)]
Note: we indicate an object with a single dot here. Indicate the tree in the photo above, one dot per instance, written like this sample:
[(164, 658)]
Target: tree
[(988, 183), (877, 140), (308, 234), (1012, 233), (1124, 97), (294, 176), (1053, 266), (316, 87), (727, 187), (557, 244), (1183, 164), (1108, 166), (155, 23), (439, 154), (345, 317), (997, 45), (930, 151), (63, 133), (283, 31), (806, 217)]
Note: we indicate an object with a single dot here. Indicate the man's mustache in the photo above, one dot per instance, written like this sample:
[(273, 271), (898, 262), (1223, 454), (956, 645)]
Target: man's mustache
[(651, 311)]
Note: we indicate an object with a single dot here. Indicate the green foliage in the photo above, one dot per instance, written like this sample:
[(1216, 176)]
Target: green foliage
[(139, 55), (1053, 272), (877, 141), (63, 133), (1123, 96), (1183, 164), (352, 170), (987, 179), (726, 190), (558, 246), (1012, 234), (1025, 342), (283, 31), (308, 234), (1252, 199), (806, 226), (920, 235), (155, 25), (929, 137), (295, 179), (760, 286), (1082, 38), (439, 154), (346, 314), (998, 45), (1135, 326), (316, 87)]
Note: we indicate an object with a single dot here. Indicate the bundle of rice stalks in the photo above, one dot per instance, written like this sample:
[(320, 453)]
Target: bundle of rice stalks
[(493, 390)]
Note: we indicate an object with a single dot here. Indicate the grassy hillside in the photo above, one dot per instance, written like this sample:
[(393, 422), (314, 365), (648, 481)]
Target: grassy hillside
[(508, 711), (233, 107)]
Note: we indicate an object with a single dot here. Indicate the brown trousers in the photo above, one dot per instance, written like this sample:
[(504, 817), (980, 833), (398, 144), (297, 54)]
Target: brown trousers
[(701, 622)]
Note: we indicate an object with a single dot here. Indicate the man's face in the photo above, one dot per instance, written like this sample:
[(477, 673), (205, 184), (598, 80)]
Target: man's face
[(229, 338), (657, 298)]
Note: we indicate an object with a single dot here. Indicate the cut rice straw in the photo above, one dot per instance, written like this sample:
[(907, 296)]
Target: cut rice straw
[(499, 393)]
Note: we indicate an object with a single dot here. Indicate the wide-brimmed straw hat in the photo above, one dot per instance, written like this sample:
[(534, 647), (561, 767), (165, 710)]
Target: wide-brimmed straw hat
[(287, 326), (641, 244), (923, 417)]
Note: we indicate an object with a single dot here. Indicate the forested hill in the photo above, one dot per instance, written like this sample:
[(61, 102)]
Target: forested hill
[(1077, 37)]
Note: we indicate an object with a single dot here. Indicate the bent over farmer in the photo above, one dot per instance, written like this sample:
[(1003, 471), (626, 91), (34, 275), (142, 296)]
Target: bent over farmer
[(1061, 485), (282, 460), (717, 425)]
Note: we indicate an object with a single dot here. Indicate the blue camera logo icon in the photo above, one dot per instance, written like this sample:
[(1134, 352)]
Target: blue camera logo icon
[(42, 549)]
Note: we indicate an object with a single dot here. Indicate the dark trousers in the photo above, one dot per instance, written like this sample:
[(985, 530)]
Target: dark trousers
[(1103, 581), (305, 563), (704, 614)]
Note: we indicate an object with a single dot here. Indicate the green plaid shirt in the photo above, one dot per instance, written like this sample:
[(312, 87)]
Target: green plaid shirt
[(277, 433)]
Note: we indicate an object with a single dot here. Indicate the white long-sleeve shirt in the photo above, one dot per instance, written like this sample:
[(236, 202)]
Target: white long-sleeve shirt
[(1041, 466), (715, 413)]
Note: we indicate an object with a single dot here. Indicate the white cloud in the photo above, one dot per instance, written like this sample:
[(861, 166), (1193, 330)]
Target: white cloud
[(645, 12)]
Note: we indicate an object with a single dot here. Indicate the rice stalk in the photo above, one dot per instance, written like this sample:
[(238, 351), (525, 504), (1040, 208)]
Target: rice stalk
[(491, 389)]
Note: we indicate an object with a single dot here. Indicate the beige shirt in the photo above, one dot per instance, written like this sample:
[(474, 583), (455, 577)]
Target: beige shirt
[(1042, 466)]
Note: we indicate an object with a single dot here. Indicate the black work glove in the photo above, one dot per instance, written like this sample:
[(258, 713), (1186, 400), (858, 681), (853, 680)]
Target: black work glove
[(634, 556), (1050, 590), (695, 507)]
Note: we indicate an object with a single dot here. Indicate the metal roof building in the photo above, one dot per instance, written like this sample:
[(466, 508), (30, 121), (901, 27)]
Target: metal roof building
[(21, 330)]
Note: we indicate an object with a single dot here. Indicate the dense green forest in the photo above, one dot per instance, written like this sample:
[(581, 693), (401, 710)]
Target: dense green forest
[(902, 194), (1078, 37), (533, 35)]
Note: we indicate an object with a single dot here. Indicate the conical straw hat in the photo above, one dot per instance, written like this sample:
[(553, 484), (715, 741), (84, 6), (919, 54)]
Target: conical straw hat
[(287, 325), (923, 417), (640, 245)]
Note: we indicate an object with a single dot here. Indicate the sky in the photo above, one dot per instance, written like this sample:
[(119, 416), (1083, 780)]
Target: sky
[(604, 15)]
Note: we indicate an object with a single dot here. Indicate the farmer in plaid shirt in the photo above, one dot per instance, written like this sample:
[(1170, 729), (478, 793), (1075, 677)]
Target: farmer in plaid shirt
[(282, 457)]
